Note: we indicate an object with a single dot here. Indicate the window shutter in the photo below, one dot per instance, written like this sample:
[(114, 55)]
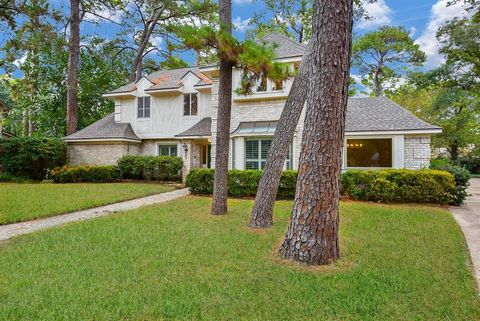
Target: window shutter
[(251, 149)]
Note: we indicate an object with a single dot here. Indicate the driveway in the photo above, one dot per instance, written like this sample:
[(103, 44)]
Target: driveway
[(468, 217)]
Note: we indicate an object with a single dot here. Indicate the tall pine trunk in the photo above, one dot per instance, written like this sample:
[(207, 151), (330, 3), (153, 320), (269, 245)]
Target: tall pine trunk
[(262, 213), (312, 236), (73, 61), (220, 184)]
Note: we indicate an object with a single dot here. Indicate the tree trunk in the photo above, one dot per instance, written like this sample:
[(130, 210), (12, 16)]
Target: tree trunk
[(73, 61), (262, 213), (378, 90), (220, 184), (312, 236)]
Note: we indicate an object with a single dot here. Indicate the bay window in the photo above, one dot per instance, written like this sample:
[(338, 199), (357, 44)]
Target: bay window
[(256, 152)]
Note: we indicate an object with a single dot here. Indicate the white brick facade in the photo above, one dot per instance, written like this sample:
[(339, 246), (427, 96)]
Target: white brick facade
[(100, 153), (417, 152)]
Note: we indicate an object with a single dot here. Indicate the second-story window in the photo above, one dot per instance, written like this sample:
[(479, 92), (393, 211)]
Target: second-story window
[(262, 85), (143, 107), (277, 85), (190, 104)]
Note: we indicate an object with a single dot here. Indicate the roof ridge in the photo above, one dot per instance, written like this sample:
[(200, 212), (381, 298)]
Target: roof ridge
[(284, 37)]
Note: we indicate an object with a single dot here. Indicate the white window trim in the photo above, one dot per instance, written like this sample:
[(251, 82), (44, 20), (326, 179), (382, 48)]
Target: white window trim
[(190, 105), (260, 159), (166, 144), (150, 107), (397, 151)]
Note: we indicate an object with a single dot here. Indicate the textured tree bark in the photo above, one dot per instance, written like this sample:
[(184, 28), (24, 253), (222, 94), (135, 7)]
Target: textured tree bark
[(312, 236), (73, 61), (262, 213), (220, 184)]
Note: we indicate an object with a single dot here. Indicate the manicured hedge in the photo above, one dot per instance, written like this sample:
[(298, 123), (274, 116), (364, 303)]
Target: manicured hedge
[(462, 177), (160, 168), (471, 163), (241, 183), (375, 185), (398, 185), (85, 174), (31, 157)]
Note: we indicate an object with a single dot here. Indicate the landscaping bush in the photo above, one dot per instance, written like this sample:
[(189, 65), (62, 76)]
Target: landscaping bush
[(31, 157), (471, 163), (399, 185), (5, 177), (241, 183), (386, 186), (85, 174), (461, 176), (160, 168)]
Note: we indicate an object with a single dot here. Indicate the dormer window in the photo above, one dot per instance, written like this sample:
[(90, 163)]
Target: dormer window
[(190, 104), (262, 85), (277, 85), (143, 107)]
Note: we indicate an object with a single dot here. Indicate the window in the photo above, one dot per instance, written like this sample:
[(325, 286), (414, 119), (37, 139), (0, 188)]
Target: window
[(167, 150), (369, 152), (143, 107), (262, 85), (278, 85), (190, 104), (256, 152)]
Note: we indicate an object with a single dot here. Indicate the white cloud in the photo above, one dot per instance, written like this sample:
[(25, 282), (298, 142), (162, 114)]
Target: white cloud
[(412, 31), (241, 25), (240, 2), (379, 13), (440, 13), (112, 15)]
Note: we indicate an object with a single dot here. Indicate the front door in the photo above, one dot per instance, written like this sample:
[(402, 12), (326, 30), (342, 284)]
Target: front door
[(205, 156)]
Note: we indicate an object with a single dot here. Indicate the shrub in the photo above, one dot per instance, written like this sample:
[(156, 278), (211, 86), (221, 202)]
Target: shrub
[(439, 162), (241, 183), (5, 177), (81, 174), (375, 185), (31, 157), (471, 163), (200, 181), (161, 168), (398, 185), (461, 176)]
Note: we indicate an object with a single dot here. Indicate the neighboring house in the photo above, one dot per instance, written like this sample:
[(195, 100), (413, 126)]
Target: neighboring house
[(174, 112), (3, 110)]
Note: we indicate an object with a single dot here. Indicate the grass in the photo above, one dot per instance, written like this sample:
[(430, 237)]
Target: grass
[(474, 175), (23, 202), (176, 262)]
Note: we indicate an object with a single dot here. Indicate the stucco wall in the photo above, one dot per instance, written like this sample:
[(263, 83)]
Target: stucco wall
[(166, 110), (100, 154), (417, 152)]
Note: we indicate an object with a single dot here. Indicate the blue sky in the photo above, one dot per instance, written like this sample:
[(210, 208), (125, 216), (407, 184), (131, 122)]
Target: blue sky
[(421, 17)]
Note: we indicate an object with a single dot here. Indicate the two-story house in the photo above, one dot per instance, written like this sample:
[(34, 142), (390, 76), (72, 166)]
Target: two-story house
[(174, 112)]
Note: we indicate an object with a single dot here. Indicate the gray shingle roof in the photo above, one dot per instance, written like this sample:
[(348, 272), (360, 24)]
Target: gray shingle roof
[(166, 79), (381, 114), (286, 47), (105, 128), (202, 128)]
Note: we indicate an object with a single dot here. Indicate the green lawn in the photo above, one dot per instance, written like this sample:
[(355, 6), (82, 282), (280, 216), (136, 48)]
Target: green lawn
[(176, 262), (23, 202)]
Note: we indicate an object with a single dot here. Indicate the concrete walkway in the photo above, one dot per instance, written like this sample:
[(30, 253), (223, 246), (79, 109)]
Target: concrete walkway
[(12, 230), (468, 217)]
